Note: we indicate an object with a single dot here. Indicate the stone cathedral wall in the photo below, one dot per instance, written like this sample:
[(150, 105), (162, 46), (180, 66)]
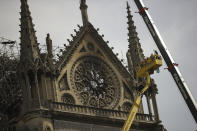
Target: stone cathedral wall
[(76, 126)]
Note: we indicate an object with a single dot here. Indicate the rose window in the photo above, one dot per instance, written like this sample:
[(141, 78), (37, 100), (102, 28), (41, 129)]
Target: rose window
[(95, 83)]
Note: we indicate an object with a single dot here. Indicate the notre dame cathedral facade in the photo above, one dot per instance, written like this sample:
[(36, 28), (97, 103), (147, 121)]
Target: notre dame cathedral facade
[(86, 89)]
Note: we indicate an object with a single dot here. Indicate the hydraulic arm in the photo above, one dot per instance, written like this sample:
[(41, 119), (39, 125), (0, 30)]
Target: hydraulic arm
[(172, 66), (147, 67)]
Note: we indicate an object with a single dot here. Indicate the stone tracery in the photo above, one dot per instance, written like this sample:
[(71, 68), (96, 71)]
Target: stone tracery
[(68, 99), (95, 83)]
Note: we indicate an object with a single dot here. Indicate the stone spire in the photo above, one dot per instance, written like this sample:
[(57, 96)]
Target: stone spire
[(135, 50), (29, 45), (84, 13)]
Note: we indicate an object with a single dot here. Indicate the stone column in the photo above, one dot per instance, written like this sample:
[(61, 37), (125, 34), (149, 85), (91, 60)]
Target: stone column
[(149, 105), (156, 113), (37, 88)]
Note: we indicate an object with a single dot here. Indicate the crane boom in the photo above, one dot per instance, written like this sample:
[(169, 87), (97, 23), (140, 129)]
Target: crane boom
[(189, 99)]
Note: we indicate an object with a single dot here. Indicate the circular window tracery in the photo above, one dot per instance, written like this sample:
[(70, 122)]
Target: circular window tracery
[(68, 99), (94, 82)]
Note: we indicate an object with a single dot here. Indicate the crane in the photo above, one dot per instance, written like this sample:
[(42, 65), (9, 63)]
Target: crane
[(172, 66), (146, 68)]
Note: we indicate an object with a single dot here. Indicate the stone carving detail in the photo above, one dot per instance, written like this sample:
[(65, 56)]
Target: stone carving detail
[(95, 83), (63, 84), (68, 99), (90, 46), (126, 106)]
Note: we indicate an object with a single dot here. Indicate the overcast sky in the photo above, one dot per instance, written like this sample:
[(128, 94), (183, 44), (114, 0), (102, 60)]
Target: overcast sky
[(175, 19)]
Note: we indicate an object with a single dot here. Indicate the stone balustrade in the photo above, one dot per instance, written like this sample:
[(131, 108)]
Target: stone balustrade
[(91, 111)]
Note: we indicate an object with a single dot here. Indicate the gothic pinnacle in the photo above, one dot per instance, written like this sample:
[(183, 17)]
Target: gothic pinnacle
[(29, 45), (84, 13), (128, 7), (134, 45), (132, 29)]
